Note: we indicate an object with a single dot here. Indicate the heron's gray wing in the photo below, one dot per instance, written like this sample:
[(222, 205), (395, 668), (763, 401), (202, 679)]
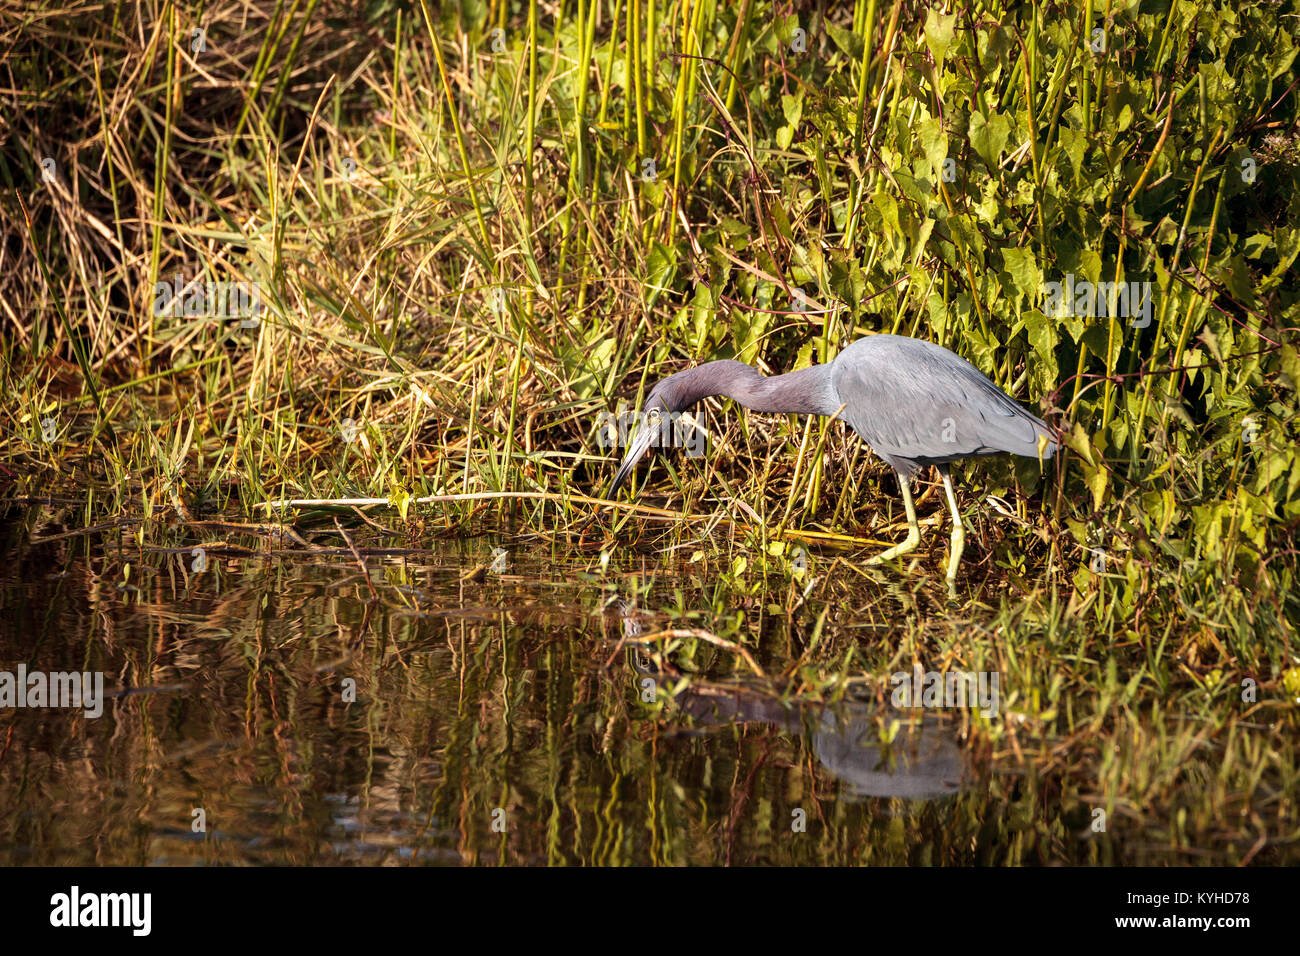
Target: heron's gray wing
[(913, 401)]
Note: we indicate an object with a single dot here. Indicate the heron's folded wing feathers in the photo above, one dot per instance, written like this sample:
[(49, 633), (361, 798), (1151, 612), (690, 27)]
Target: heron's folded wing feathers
[(927, 403)]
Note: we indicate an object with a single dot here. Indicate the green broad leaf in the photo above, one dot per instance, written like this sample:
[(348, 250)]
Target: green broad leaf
[(781, 220), (1166, 232), (920, 238), (1290, 361), (1043, 336), (888, 208), (938, 33), (1125, 119), (1273, 465), (937, 309), (1098, 481), (933, 143), (661, 266), (965, 234), (1282, 60), (1257, 245), (988, 209), (1021, 265), (849, 42), (1079, 443), (1236, 276), (792, 107), (988, 136), (1073, 142), (702, 305)]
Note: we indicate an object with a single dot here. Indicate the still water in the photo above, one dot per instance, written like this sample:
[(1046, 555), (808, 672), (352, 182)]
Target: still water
[(271, 708)]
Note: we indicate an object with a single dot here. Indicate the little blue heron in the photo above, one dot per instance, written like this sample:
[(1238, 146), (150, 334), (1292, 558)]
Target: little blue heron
[(915, 403)]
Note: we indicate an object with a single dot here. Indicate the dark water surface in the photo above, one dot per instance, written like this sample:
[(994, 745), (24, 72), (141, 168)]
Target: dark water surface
[(497, 719)]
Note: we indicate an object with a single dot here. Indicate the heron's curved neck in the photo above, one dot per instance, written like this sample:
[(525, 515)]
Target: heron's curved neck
[(807, 391)]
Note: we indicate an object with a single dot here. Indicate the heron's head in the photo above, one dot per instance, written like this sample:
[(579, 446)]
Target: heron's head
[(652, 421)]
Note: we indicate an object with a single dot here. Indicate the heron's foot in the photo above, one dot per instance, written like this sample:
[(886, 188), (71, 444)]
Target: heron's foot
[(907, 544)]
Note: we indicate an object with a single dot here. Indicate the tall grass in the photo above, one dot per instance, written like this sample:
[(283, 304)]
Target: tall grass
[(476, 226)]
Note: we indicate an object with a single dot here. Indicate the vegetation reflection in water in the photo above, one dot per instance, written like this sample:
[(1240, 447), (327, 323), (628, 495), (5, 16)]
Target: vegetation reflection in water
[(502, 717)]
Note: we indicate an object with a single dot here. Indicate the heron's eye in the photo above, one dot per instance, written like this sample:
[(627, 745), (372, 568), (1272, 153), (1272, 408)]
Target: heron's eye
[(653, 416)]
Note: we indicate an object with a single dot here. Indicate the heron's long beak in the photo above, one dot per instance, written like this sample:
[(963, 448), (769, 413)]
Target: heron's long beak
[(647, 435)]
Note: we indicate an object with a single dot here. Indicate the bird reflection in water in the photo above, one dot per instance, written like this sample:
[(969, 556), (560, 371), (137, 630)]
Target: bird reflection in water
[(923, 762)]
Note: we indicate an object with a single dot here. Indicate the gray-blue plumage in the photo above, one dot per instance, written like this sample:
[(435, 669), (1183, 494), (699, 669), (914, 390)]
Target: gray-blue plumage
[(915, 403)]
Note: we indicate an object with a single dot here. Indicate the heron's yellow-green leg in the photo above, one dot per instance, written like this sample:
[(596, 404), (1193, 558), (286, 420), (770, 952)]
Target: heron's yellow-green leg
[(913, 529), (958, 532)]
